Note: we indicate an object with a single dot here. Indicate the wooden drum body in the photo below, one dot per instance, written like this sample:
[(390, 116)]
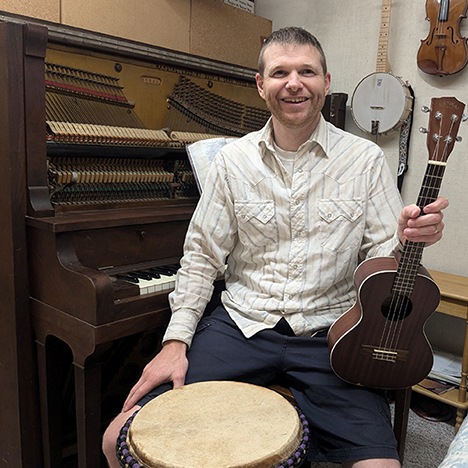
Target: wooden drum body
[(215, 425)]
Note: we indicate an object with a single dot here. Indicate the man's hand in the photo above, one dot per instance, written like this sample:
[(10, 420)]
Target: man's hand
[(427, 228), (169, 365)]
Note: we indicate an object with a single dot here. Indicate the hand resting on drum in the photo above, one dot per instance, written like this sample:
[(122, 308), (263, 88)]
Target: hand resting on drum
[(169, 365)]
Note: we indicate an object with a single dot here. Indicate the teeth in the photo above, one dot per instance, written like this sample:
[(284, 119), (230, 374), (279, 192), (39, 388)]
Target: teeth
[(295, 100)]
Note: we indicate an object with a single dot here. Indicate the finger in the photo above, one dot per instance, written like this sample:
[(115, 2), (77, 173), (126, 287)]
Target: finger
[(135, 395)]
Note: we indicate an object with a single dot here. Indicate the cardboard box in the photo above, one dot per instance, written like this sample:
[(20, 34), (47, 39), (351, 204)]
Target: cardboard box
[(222, 32)]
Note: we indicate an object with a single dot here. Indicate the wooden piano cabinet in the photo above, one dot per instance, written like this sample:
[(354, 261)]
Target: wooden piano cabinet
[(88, 344), (454, 302)]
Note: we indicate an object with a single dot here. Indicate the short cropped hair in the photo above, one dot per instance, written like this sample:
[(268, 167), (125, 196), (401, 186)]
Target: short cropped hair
[(291, 35)]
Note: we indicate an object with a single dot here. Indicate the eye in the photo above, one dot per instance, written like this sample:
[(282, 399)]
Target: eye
[(308, 72), (279, 74)]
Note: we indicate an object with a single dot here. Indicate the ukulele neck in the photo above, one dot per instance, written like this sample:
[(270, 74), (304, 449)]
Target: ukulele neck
[(412, 251)]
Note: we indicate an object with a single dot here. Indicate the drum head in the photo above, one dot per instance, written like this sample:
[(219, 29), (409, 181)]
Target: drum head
[(217, 425)]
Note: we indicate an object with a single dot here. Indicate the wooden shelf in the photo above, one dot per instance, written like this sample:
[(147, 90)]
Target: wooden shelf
[(453, 302)]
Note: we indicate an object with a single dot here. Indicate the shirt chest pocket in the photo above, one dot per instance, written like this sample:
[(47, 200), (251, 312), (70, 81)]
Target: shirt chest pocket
[(256, 222), (341, 223)]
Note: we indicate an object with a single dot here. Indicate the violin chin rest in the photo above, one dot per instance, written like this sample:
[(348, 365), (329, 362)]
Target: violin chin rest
[(430, 67)]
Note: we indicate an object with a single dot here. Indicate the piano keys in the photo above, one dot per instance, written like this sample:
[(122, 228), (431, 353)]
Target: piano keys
[(149, 280)]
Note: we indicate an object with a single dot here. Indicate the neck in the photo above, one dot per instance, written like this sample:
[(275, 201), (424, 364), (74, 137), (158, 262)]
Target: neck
[(290, 139)]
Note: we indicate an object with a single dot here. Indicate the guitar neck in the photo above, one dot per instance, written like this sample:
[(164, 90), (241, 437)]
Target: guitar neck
[(383, 65), (412, 251)]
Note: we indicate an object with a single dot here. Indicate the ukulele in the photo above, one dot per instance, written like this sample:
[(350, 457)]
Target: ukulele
[(381, 101), (444, 51), (380, 341)]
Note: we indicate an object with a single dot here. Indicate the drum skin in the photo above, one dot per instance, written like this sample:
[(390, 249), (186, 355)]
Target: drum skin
[(216, 425)]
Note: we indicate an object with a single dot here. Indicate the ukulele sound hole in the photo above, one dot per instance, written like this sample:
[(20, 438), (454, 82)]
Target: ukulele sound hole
[(396, 307)]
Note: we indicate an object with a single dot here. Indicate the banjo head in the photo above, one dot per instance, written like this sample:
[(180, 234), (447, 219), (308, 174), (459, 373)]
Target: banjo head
[(380, 103)]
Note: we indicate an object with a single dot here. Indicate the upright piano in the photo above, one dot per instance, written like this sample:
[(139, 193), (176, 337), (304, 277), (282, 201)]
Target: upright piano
[(98, 194)]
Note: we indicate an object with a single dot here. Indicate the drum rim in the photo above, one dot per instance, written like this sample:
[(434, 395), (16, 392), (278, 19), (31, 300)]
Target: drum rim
[(126, 459)]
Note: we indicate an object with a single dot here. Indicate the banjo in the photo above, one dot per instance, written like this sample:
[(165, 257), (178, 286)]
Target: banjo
[(381, 101)]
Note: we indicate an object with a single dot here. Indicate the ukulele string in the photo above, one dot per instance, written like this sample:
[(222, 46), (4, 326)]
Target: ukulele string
[(400, 303)]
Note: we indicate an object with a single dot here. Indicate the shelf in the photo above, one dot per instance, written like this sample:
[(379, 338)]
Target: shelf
[(450, 397)]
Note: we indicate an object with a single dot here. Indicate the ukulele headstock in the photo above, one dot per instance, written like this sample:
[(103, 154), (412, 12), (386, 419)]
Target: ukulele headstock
[(446, 114)]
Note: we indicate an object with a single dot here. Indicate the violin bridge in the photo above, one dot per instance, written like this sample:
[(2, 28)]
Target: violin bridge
[(383, 354)]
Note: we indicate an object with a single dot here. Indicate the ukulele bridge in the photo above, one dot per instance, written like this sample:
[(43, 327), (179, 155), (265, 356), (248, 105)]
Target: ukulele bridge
[(382, 354)]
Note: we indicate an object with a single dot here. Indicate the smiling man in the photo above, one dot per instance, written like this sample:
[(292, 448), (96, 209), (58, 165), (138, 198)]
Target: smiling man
[(292, 208)]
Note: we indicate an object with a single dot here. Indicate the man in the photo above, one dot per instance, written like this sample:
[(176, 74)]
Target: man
[(294, 207)]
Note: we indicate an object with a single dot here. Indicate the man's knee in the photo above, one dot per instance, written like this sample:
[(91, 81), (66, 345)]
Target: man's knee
[(109, 439)]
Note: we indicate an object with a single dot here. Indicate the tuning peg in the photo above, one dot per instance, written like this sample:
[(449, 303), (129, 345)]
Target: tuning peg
[(423, 130), (464, 118), (436, 137), (459, 138), (438, 115), (425, 109)]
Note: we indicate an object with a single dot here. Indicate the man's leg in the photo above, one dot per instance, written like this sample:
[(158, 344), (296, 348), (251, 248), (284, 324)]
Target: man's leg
[(349, 424)]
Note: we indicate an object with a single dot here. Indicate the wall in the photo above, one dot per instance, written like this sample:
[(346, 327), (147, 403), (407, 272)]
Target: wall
[(349, 33), (208, 28)]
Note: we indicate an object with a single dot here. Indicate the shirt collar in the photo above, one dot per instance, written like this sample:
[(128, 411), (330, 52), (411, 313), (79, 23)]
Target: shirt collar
[(319, 136)]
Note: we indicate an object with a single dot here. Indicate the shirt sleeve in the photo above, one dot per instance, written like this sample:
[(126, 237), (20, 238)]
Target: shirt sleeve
[(208, 241), (383, 206)]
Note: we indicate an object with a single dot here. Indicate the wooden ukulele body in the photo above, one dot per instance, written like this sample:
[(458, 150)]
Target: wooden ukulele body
[(370, 349)]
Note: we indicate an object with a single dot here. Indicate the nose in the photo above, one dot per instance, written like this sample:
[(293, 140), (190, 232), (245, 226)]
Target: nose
[(294, 81)]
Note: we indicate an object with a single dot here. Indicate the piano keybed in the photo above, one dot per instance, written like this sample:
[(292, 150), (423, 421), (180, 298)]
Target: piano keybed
[(142, 281)]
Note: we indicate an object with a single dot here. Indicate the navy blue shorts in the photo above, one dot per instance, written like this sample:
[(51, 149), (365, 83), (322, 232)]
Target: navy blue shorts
[(347, 422)]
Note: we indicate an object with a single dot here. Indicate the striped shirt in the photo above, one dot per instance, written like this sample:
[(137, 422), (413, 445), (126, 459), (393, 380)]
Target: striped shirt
[(291, 241)]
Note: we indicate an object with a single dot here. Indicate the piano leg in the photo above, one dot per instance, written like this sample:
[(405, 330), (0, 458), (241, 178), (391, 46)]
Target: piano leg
[(88, 403), (88, 408), (49, 362)]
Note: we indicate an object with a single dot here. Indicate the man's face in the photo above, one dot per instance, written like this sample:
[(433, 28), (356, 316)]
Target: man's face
[(293, 85)]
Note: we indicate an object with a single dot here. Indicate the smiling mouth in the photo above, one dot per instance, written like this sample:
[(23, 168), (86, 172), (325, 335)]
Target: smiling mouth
[(295, 100)]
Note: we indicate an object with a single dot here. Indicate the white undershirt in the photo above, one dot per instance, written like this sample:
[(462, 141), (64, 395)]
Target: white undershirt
[(286, 157)]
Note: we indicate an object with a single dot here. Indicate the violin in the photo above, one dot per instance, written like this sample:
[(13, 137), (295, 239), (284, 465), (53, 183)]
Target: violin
[(444, 51)]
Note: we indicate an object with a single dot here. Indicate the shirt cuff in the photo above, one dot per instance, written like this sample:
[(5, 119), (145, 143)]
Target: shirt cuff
[(181, 327)]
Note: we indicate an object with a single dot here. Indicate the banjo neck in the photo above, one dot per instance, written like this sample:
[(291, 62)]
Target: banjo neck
[(383, 65)]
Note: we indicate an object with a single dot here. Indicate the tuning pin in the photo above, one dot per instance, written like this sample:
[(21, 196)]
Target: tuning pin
[(454, 117), (425, 109), (423, 130), (436, 137), (438, 115)]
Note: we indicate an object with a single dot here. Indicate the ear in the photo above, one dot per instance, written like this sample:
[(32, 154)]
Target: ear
[(259, 81), (327, 82)]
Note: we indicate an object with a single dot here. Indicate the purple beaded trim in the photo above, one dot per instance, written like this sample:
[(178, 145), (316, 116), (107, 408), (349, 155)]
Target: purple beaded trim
[(127, 461)]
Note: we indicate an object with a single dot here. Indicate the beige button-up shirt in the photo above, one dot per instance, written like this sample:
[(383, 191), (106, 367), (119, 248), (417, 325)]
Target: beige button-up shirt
[(292, 241)]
